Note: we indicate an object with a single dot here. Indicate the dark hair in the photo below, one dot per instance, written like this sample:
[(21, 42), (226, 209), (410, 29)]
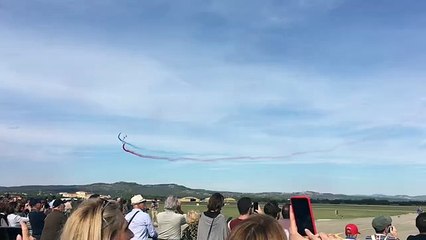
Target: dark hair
[(94, 196), (271, 209), (10, 209), (421, 222), (4, 207), (285, 211), (244, 204), (216, 202)]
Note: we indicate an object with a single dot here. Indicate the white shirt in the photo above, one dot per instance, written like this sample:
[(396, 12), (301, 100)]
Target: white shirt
[(141, 225), (14, 220)]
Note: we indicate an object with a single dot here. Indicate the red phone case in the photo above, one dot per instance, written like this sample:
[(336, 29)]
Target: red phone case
[(308, 199)]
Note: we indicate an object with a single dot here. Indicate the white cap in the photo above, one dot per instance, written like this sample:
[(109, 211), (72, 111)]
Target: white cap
[(137, 199)]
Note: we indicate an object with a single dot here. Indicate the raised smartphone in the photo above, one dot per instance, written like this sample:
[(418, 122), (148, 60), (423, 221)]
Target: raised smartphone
[(303, 214)]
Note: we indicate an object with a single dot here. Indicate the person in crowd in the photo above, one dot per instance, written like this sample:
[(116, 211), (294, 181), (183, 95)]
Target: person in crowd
[(54, 222), (212, 224), (46, 207), (13, 218), (190, 232), (384, 230), (154, 209), (95, 195), (245, 208), (123, 205), (51, 201), (284, 220), (351, 231), (36, 217), (139, 221), (3, 214), (171, 220), (258, 227), (421, 225), (20, 210), (67, 208), (272, 209), (96, 219)]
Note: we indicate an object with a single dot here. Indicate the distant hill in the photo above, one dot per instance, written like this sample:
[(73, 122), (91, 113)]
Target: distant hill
[(127, 189)]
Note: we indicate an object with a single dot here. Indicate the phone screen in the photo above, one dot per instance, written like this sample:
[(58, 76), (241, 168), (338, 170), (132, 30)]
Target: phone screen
[(302, 212)]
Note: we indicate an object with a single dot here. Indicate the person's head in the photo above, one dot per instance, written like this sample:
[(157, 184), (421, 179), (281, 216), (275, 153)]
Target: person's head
[(171, 203), (45, 204), (58, 205), (285, 211), (244, 205), (12, 207), (95, 195), (216, 202), (20, 208), (138, 202), (96, 219), (381, 224), (192, 217), (258, 227), (271, 209), (421, 222), (4, 207), (351, 231), (67, 206), (36, 204)]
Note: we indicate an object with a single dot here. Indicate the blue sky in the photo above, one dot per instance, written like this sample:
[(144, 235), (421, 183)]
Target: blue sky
[(342, 81)]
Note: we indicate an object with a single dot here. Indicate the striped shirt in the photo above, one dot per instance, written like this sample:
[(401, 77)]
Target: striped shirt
[(381, 237)]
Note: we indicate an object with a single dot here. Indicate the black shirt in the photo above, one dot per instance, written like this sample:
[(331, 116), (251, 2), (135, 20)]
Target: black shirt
[(417, 237), (37, 222)]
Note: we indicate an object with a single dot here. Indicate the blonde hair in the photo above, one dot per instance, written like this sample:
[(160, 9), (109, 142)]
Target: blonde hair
[(258, 227), (94, 219), (192, 217)]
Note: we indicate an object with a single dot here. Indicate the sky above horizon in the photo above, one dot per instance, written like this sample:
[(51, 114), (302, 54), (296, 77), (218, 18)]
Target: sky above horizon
[(335, 87)]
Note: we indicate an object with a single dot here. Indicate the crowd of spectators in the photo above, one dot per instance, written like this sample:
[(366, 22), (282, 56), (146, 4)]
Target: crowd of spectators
[(104, 219)]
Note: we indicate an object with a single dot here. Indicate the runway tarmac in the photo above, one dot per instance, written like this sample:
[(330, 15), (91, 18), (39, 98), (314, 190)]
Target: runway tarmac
[(405, 224)]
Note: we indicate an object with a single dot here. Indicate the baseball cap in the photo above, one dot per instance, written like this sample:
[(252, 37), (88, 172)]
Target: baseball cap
[(137, 199), (381, 222), (351, 229), (57, 203)]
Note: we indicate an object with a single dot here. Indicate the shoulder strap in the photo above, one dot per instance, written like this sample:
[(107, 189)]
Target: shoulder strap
[(131, 219), (210, 230)]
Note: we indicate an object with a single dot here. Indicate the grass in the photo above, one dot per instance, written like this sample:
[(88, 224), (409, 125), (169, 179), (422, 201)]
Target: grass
[(327, 211), (323, 211)]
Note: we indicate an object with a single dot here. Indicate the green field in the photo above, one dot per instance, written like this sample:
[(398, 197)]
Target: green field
[(325, 211)]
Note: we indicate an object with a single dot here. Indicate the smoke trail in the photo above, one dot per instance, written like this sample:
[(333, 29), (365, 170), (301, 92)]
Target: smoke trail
[(252, 158)]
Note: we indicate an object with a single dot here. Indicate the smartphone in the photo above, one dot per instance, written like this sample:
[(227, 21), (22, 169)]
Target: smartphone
[(303, 214), (255, 206)]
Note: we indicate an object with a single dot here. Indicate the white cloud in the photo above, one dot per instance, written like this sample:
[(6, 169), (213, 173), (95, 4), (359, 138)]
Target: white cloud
[(119, 83)]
